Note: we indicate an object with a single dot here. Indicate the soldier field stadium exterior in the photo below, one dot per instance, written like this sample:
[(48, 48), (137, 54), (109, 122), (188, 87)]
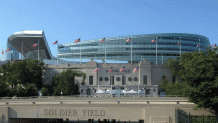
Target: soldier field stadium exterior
[(148, 52), (132, 83)]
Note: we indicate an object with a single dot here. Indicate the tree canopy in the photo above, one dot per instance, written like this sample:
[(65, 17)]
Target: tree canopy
[(65, 83), (21, 78), (199, 70)]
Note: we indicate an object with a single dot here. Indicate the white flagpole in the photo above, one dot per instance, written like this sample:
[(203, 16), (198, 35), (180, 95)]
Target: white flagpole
[(199, 45), (105, 53), (138, 88), (180, 46), (110, 83), (156, 49), (131, 52), (38, 49), (105, 48), (80, 49), (57, 51), (138, 83), (22, 50), (98, 83), (162, 59)]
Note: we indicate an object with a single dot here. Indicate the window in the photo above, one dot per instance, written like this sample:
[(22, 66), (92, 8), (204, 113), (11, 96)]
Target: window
[(130, 79), (100, 78), (90, 80), (135, 79), (106, 78), (112, 80), (173, 79), (144, 80), (123, 80), (118, 78)]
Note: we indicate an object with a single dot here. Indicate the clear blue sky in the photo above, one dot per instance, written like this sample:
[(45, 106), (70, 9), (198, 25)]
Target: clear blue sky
[(67, 20)]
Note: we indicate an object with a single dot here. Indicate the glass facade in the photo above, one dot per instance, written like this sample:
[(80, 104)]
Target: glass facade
[(12, 54), (117, 49)]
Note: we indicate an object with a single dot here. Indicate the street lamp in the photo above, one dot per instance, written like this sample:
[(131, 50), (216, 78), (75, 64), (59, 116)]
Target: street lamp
[(61, 93)]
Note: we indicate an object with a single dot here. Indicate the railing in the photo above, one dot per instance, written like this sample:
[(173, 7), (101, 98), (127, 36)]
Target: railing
[(92, 102), (101, 95), (184, 117)]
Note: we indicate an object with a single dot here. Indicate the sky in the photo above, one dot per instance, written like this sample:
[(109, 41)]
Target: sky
[(67, 20)]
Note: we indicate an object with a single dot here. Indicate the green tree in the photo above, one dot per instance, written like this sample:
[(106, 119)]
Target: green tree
[(172, 88), (22, 73), (4, 90), (21, 92), (44, 91), (200, 74), (65, 82), (31, 90)]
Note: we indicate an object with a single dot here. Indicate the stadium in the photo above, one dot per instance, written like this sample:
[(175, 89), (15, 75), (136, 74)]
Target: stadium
[(130, 95), (141, 51), (115, 49)]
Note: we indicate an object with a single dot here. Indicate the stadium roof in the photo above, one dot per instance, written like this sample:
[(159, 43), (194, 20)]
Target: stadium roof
[(30, 37)]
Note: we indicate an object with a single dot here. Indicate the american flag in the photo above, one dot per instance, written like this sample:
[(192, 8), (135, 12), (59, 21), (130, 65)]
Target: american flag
[(128, 40), (214, 45), (178, 43), (198, 44), (96, 69), (36, 44), (122, 69), (110, 70), (152, 41), (8, 49), (56, 42), (77, 40), (136, 69), (2, 51), (102, 40)]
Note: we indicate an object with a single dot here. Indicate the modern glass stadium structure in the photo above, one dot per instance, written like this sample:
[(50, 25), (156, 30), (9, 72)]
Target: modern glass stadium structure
[(117, 49)]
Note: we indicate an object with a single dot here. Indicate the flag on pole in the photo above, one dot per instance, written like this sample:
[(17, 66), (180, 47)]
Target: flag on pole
[(110, 70), (2, 51), (102, 40), (136, 69), (97, 69), (77, 40), (178, 43), (122, 69), (214, 45), (198, 44), (36, 44), (8, 49), (128, 40), (56, 42), (154, 40)]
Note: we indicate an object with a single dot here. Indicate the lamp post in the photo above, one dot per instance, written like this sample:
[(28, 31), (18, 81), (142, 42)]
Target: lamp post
[(61, 93)]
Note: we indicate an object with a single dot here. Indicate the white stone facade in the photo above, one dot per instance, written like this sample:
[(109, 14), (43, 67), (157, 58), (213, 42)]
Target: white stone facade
[(146, 79)]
